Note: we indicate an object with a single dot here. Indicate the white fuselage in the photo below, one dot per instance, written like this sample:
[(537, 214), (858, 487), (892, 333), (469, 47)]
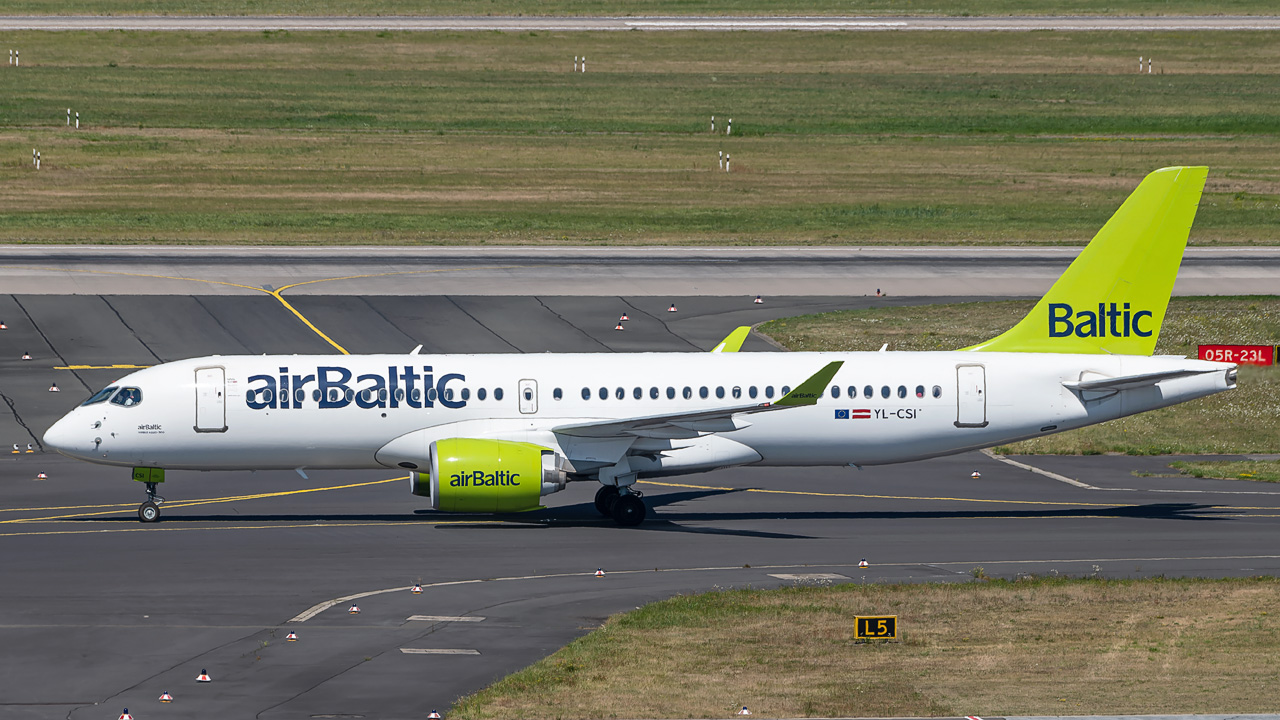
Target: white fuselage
[(227, 413)]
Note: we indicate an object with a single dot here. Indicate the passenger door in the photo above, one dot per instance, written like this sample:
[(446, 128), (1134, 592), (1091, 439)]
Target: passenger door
[(971, 396), (211, 407)]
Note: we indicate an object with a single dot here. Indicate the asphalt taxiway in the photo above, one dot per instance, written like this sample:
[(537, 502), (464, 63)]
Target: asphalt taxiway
[(99, 613)]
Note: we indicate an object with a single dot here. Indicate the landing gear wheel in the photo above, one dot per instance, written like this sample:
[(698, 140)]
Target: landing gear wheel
[(148, 512), (606, 496), (628, 510)]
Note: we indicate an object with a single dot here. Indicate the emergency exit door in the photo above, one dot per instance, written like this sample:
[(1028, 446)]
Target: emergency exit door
[(528, 396), (211, 401), (971, 396)]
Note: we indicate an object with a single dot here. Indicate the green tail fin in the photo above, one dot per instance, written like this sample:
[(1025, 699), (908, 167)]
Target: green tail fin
[(1113, 297)]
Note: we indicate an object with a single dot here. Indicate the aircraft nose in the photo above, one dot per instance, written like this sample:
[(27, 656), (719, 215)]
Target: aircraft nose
[(69, 436)]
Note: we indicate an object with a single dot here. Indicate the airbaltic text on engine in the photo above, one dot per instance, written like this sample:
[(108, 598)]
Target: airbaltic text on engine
[(1087, 323), (331, 386), (480, 478)]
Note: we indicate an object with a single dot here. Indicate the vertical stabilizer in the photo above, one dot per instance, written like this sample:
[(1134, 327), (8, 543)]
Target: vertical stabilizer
[(1113, 297)]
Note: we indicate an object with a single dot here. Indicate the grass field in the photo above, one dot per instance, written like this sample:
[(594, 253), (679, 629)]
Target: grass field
[(489, 137), (1258, 470), (1244, 420), (1033, 647), (640, 7)]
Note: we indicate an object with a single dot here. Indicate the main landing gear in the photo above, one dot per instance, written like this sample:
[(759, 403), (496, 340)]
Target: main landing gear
[(624, 506), (149, 511)]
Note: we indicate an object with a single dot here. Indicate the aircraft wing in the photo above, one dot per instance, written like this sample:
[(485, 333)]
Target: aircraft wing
[(692, 424)]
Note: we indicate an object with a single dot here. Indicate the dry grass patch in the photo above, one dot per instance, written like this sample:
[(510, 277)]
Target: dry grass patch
[(1245, 420), (1257, 470), (1033, 647)]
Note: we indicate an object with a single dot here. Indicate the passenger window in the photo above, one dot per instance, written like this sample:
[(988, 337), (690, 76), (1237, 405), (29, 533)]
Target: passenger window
[(315, 395), (751, 391), (620, 394), (688, 392), (366, 395), (637, 393), (432, 394), (720, 392), (382, 394), (902, 391), (919, 391), (867, 392), (884, 391), (415, 395), (350, 394), (466, 393), (653, 393), (557, 394), (604, 393), (528, 393), (853, 392), (768, 391), (785, 389), (835, 391), (481, 394), (702, 392), (671, 393), (448, 393), (264, 395), (737, 392), (497, 393), (586, 393), (100, 396), (400, 394), (937, 391), (300, 395)]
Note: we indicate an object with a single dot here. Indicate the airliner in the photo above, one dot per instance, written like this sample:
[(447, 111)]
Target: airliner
[(495, 433)]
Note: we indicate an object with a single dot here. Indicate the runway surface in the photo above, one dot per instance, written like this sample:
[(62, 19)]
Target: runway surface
[(574, 24), (838, 272), (100, 612)]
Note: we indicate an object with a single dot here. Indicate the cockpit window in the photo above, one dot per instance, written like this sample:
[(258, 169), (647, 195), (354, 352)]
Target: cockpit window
[(100, 396), (128, 397)]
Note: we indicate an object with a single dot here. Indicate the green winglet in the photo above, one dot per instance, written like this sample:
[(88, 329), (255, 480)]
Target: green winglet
[(733, 343), (1113, 297), (808, 392)]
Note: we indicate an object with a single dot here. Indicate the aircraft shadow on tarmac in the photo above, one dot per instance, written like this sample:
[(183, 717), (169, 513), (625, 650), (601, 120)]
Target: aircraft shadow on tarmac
[(585, 515)]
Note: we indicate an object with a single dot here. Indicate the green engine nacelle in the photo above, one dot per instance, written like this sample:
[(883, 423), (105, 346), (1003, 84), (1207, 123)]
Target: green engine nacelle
[(471, 475)]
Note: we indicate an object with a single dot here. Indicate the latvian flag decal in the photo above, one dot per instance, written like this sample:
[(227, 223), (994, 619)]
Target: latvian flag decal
[(863, 414)]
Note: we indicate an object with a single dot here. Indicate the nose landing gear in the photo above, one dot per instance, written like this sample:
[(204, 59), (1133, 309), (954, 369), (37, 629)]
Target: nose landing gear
[(149, 511)]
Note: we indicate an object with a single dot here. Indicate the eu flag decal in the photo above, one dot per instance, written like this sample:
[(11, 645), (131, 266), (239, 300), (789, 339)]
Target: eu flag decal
[(842, 414)]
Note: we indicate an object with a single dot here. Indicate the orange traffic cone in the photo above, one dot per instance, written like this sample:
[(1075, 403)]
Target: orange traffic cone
[(975, 475), (41, 476), (54, 388), (204, 676), (353, 610), (3, 326), (619, 327), (743, 711), (125, 715), (672, 308), (863, 563), (291, 637), (599, 573), (26, 356), (166, 697), (417, 589), (624, 317), (759, 300), (434, 716)]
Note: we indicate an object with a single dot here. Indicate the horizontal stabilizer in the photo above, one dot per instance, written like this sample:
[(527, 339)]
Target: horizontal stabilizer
[(1129, 382)]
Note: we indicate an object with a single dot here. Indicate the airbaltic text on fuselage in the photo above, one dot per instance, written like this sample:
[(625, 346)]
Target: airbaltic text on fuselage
[(331, 386), (1064, 321)]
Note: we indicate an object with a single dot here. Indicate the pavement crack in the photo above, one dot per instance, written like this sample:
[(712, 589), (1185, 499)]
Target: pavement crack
[(664, 325), (217, 321), (132, 332), (48, 343), (18, 419), (575, 327), (378, 312), (477, 321)]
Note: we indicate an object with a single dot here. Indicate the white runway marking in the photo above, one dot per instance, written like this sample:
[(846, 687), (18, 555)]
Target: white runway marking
[(444, 618), (808, 576), (438, 651)]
